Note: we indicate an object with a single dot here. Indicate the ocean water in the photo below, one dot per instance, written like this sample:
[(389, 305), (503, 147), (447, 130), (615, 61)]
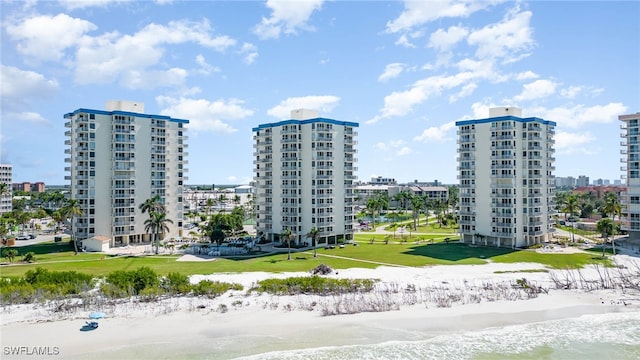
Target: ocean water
[(602, 336)]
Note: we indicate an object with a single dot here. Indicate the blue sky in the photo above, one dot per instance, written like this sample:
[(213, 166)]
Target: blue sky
[(406, 71)]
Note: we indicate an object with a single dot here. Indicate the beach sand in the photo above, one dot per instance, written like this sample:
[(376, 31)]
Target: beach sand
[(254, 324)]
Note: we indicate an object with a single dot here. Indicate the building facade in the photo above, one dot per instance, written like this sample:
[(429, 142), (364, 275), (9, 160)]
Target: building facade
[(119, 158), (6, 177), (631, 159), (505, 172), (304, 176)]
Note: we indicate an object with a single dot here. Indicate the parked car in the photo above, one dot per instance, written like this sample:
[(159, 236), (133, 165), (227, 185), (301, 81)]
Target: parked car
[(32, 236), (22, 237)]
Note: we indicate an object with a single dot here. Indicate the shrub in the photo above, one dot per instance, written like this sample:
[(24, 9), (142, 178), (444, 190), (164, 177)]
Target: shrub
[(322, 269), (41, 284), (176, 283), (133, 282), (213, 289), (29, 257), (10, 254), (313, 285)]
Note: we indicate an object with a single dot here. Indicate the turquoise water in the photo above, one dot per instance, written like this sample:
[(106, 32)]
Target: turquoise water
[(603, 336)]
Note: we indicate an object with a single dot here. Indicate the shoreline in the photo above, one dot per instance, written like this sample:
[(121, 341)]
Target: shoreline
[(238, 324)]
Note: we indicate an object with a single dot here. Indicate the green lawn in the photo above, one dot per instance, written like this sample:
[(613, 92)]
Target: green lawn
[(433, 227), (351, 256), (366, 237)]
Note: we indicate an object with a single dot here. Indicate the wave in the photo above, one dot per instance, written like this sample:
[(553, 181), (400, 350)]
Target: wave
[(610, 335)]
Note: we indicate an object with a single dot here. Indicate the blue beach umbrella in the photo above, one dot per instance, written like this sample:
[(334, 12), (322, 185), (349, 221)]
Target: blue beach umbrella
[(96, 315)]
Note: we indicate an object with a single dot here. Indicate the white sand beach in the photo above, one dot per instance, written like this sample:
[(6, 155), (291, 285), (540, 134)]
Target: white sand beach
[(238, 324)]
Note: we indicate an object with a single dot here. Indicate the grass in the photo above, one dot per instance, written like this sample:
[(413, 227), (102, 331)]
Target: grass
[(364, 237), (364, 256), (433, 227), (577, 231)]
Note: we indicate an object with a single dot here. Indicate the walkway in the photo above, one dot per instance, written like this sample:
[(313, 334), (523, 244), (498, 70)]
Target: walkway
[(360, 260)]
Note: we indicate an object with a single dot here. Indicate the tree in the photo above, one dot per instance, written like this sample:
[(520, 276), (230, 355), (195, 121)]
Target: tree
[(452, 199), (10, 254), (612, 207), (217, 236), (416, 206), (313, 234), (153, 204), (427, 203), (157, 224), (606, 228), (5, 189), (570, 206), (393, 227), (70, 210), (58, 216), (287, 236)]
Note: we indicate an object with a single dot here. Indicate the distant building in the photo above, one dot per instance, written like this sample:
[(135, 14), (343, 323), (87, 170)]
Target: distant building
[(118, 159), (6, 177), (631, 157), (507, 187), (29, 187), (568, 181), (582, 181), (382, 181), (304, 174)]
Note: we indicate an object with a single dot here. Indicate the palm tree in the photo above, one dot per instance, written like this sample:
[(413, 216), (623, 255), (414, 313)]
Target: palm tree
[(5, 189), (157, 224), (570, 206), (605, 227), (393, 227), (416, 205), (287, 235), (313, 234), (153, 204), (70, 210), (427, 203), (612, 207)]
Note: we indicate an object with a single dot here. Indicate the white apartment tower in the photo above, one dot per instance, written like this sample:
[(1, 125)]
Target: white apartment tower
[(119, 158), (631, 168), (505, 169), (6, 177), (304, 175)]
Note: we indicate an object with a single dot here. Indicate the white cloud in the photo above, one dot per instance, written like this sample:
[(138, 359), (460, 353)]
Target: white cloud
[(18, 83), (567, 143), (21, 88), (443, 40), (571, 92), (112, 57), (135, 79), (417, 13), (46, 37), (464, 92), (321, 103), (403, 40), (286, 17), (391, 71), (204, 115), (526, 75), (405, 150), (231, 179), (581, 115), (511, 39), (30, 117), (83, 4), (400, 103), (250, 53), (205, 68), (435, 133), (399, 147), (536, 90)]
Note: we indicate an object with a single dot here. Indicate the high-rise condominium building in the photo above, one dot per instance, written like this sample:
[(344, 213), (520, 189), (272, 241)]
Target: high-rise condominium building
[(118, 159), (506, 178), (6, 177), (631, 159), (304, 175)]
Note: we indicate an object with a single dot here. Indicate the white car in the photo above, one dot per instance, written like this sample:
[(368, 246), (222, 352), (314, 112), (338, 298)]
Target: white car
[(23, 237)]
